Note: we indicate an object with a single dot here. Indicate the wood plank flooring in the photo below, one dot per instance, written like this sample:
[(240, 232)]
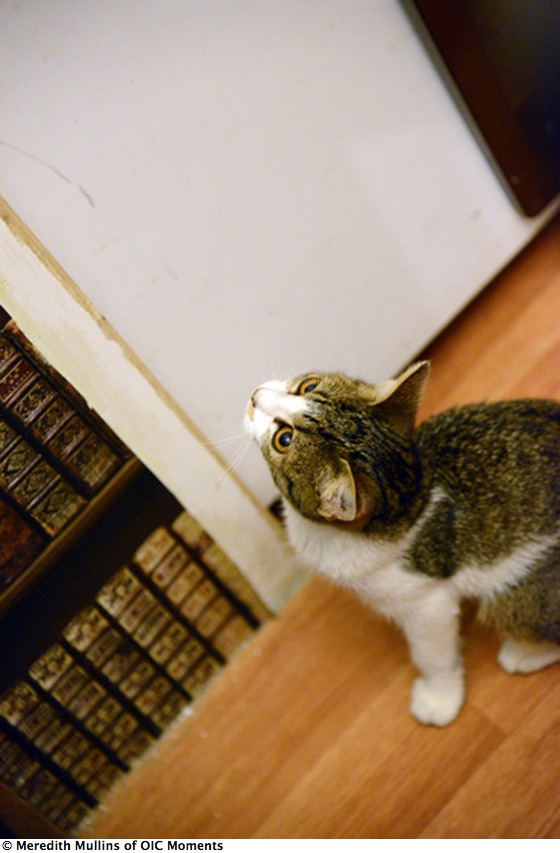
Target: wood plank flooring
[(307, 733)]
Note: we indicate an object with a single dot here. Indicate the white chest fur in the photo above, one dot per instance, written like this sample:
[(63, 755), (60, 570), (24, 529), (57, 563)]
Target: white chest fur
[(376, 572), (373, 569)]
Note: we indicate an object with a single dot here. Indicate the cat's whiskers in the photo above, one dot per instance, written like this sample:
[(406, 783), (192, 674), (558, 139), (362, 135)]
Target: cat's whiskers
[(226, 439), (222, 443), (236, 460), (277, 373)]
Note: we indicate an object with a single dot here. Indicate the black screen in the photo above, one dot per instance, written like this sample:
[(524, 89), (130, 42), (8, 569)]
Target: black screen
[(503, 57)]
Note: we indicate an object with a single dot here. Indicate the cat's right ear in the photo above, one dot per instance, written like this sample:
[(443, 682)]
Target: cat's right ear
[(337, 494)]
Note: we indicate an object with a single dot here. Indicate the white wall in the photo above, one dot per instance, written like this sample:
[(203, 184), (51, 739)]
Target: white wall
[(248, 187)]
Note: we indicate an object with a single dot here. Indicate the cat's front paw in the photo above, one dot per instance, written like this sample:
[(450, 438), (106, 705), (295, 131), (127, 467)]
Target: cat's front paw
[(436, 701), (525, 657)]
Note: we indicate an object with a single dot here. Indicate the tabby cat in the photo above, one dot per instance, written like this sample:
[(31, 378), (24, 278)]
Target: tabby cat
[(416, 519)]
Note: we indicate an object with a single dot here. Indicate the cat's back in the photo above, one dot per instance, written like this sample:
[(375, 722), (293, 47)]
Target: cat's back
[(496, 436), (499, 464)]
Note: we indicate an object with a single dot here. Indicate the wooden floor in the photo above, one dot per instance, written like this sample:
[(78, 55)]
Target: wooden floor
[(307, 733)]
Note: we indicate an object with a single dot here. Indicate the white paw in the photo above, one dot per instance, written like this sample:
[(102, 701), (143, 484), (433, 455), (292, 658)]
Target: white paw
[(437, 701), (524, 657)]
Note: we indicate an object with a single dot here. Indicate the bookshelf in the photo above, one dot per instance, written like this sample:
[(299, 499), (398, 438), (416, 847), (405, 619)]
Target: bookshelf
[(117, 607)]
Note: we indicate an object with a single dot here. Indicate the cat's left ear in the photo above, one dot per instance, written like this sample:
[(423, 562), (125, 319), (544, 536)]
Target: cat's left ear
[(401, 397), (337, 494)]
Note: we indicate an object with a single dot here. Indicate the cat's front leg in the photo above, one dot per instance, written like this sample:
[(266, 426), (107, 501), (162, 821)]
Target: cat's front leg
[(432, 631)]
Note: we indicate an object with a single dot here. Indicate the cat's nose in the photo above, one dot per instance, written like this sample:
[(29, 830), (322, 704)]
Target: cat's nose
[(266, 399), (260, 397), (272, 399)]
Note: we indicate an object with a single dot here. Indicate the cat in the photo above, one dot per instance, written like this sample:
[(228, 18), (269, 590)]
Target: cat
[(416, 519)]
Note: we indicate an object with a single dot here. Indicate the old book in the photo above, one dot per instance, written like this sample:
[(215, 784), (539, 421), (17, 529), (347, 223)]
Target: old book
[(51, 666), (8, 438), (124, 726), (20, 545), (202, 544), (84, 454), (191, 532), (11, 332), (69, 749), (119, 591), (15, 762), (28, 479), (197, 598), (54, 736), (200, 675), (137, 679), (167, 710), (36, 404), (86, 699), (89, 763), (31, 405), (103, 716), (47, 497), (115, 727), (17, 373), (91, 633), (83, 696), (18, 701), (184, 659), (200, 597), (149, 699), (170, 566), (111, 649), (64, 434), (86, 627), (185, 582), (50, 738), (231, 636), (214, 616), (154, 549), (153, 624), (70, 684), (169, 557), (168, 642), (104, 647), (136, 610), (105, 776), (136, 744), (66, 811), (121, 662), (8, 352), (81, 760), (35, 722), (125, 666), (41, 788)]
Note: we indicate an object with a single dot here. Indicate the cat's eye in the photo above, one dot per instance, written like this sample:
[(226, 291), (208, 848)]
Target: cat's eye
[(307, 386), (282, 438)]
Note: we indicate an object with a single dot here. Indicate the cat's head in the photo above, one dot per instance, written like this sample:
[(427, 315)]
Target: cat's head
[(340, 450)]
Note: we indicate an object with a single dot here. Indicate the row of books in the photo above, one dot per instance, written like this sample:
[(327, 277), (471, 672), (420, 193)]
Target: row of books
[(122, 669), (55, 455)]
